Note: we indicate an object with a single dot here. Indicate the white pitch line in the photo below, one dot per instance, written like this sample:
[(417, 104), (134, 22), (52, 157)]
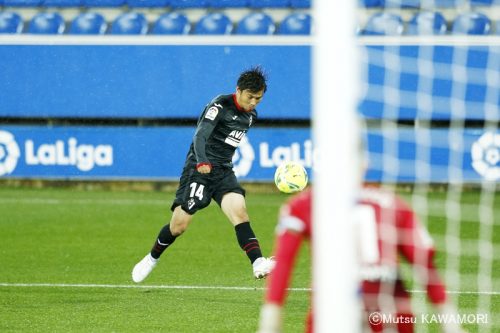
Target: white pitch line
[(134, 286), (144, 286), (103, 201), (465, 292)]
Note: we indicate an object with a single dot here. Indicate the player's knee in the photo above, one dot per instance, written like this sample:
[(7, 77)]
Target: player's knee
[(242, 215), (238, 215), (178, 228), (179, 222)]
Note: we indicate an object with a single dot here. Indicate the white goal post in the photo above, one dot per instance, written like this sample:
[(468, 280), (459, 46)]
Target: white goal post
[(335, 136)]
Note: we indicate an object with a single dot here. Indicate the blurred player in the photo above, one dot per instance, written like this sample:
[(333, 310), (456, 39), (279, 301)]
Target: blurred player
[(208, 173), (388, 229)]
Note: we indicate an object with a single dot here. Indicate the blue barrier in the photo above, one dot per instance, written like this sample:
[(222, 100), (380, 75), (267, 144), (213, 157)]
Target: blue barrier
[(158, 153), (176, 81), (146, 81)]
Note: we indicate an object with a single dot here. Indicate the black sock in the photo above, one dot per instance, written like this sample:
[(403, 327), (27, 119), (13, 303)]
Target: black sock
[(164, 240), (247, 241)]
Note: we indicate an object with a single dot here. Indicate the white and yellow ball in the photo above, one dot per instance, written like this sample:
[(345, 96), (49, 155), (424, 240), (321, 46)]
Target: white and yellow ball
[(290, 177)]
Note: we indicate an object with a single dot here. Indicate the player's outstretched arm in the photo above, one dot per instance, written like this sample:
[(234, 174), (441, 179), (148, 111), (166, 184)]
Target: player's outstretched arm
[(270, 318), (287, 246)]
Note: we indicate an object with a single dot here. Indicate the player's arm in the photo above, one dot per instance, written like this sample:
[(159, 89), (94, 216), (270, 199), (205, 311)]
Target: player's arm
[(286, 249), (206, 125), (287, 246), (417, 247)]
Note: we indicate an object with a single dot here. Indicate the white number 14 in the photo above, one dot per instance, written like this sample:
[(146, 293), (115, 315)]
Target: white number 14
[(197, 191)]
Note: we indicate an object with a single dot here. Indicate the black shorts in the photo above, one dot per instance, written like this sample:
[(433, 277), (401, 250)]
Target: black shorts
[(197, 190)]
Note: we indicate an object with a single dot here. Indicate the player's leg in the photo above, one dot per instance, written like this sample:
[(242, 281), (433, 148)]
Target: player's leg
[(234, 207), (191, 196), (403, 308), (167, 235), (178, 224)]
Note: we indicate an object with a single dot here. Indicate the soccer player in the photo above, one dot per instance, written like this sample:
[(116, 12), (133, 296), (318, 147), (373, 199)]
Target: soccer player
[(395, 231), (208, 173)]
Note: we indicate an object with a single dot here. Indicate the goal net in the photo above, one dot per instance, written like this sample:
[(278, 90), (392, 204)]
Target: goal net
[(432, 109)]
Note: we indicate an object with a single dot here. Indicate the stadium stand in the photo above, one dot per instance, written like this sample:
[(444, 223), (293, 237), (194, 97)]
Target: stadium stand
[(148, 3), (227, 3), (88, 24), (295, 24), (257, 17), (130, 24), (471, 24), (22, 3), (484, 3), (427, 23), (172, 24), (300, 3), (383, 23), (47, 24), (103, 3), (10, 23), (400, 3), (62, 3), (269, 3), (369, 3), (188, 3), (256, 24), (433, 4), (214, 24)]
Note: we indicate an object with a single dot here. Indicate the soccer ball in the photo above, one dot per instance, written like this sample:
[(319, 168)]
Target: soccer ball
[(290, 177)]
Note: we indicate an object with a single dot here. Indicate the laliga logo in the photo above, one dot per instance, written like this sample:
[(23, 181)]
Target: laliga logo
[(243, 158), (9, 153), (83, 156), (486, 156)]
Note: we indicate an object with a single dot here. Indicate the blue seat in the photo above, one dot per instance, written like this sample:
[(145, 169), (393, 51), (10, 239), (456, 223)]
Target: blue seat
[(10, 23), (384, 24), (295, 24), (300, 3), (269, 3), (130, 24), (432, 5), (188, 4), (370, 3), (22, 3), (62, 3), (47, 24), (148, 3), (103, 3), (400, 3), (172, 24), (214, 24), (471, 24), (256, 24), (228, 3), (88, 24), (482, 2), (427, 23)]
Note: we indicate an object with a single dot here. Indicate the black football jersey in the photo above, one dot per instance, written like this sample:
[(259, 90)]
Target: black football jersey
[(220, 129)]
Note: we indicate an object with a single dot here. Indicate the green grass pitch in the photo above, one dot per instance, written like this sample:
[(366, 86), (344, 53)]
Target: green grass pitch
[(66, 257)]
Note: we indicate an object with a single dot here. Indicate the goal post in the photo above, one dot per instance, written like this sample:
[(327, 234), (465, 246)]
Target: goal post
[(335, 136)]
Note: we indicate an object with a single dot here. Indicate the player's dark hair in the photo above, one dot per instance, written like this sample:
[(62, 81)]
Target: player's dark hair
[(253, 80)]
